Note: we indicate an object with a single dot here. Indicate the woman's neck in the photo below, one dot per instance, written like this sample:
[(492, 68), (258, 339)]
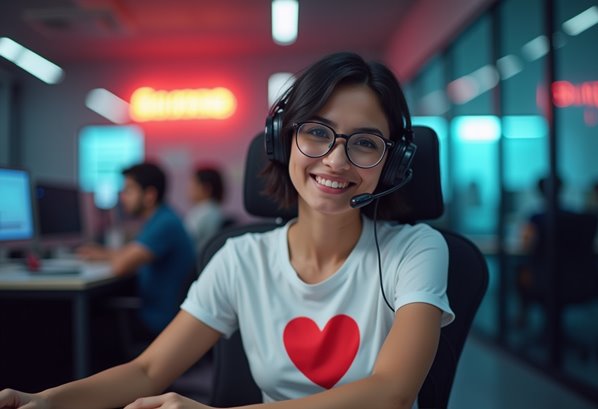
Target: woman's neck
[(319, 244)]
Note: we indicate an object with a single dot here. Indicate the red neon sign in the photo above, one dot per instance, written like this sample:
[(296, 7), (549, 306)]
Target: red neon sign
[(148, 104), (567, 94)]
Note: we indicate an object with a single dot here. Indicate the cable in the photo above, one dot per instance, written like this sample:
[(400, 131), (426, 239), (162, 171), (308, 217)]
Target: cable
[(378, 252)]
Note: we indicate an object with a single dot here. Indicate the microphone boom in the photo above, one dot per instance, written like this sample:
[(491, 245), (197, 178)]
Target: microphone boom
[(365, 199)]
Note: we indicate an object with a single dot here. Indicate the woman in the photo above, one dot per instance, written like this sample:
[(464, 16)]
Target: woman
[(306, 297), (205, 218)]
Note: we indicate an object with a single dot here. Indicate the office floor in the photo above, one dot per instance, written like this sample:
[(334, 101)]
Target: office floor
[(580, 332), (491, 379)]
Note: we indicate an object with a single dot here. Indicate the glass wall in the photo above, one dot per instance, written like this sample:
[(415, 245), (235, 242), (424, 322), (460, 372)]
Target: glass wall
[(522, 64), (576, 98), (429, 109), (474, 131), (512, 112)]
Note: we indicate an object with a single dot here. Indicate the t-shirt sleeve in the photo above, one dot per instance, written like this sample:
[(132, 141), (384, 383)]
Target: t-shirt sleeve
[(211, 297), (154, 236), (423, 273)]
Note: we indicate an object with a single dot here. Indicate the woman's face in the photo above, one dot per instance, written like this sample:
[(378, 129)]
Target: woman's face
[(197, 191), (350, 108)]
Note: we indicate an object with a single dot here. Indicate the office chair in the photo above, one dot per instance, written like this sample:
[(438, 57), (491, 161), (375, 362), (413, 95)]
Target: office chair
[(467, 278)]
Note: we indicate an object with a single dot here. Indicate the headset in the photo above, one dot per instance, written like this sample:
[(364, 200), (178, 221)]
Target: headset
[(396, 173), (397, 169)]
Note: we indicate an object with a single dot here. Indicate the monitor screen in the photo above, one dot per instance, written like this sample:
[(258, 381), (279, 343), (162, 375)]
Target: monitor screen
[(59, 214), (17, 224)]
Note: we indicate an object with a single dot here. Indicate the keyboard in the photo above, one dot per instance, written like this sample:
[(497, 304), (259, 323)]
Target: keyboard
[(60, 266)]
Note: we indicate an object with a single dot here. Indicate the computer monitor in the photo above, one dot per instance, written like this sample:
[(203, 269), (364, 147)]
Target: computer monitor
[(59, 215), (17, 223)]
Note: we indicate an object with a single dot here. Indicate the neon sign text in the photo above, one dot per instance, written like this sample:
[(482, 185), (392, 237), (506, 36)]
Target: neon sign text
[(567, 94), (148, 104)]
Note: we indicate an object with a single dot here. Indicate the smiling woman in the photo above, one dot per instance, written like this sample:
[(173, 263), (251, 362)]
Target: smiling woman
[(317, 325)]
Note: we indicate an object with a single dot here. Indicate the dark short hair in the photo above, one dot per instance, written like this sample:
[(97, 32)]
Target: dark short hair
[(208, 175), (310, 92), (148, 175)]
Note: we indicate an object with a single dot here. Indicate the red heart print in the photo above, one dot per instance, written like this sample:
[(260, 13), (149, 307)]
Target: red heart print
[(322, 356)]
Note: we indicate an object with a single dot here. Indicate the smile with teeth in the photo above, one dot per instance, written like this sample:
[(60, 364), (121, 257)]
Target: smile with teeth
[(331, 183)]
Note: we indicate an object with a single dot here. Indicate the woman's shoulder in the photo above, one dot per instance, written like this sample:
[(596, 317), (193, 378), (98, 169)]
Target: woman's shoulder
[(404, 234), (400, 229)]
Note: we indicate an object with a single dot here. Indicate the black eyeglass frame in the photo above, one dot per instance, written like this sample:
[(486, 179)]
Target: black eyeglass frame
[(388, 145)]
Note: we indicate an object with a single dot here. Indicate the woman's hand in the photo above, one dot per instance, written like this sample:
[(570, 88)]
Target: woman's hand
[(11, 399), (169, 400)]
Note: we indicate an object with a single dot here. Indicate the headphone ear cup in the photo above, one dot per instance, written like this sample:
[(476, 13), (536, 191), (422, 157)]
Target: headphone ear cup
[(275, 145), (398, 163)]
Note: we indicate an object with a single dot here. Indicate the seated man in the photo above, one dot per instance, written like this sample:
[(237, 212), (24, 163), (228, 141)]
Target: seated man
[(162, 253)]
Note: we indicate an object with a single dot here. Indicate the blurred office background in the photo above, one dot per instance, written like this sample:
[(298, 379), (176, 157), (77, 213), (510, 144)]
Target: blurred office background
[(511, 88)]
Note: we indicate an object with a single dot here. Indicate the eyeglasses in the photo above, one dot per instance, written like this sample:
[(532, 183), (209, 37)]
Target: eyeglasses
[(364, 150)]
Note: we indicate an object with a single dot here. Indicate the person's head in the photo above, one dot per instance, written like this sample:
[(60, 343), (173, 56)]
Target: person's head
[(543, 186), (207, 183), (348, 95), (145, 186)]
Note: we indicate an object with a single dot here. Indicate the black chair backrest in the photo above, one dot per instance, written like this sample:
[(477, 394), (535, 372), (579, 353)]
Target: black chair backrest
[(422, 199)]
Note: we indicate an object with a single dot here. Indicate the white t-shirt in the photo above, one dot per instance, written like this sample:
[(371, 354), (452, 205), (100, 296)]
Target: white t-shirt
[(302, 338)]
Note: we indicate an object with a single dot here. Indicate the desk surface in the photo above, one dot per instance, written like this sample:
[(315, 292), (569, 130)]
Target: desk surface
[(17, 277)]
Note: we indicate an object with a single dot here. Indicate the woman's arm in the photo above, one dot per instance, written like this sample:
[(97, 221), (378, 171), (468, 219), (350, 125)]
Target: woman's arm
[(181, 344), (399, 372)]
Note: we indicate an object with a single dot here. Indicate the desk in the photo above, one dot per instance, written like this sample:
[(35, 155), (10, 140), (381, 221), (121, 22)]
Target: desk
[(78, 289)]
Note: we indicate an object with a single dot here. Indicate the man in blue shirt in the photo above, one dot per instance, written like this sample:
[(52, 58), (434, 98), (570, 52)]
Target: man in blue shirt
[(162, 254)]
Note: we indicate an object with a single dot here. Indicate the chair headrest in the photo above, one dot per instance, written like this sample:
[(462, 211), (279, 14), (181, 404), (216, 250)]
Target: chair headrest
[(421, 198)]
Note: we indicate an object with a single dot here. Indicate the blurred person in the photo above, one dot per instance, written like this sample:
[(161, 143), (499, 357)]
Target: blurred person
[(161, 254), (205, 218)]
